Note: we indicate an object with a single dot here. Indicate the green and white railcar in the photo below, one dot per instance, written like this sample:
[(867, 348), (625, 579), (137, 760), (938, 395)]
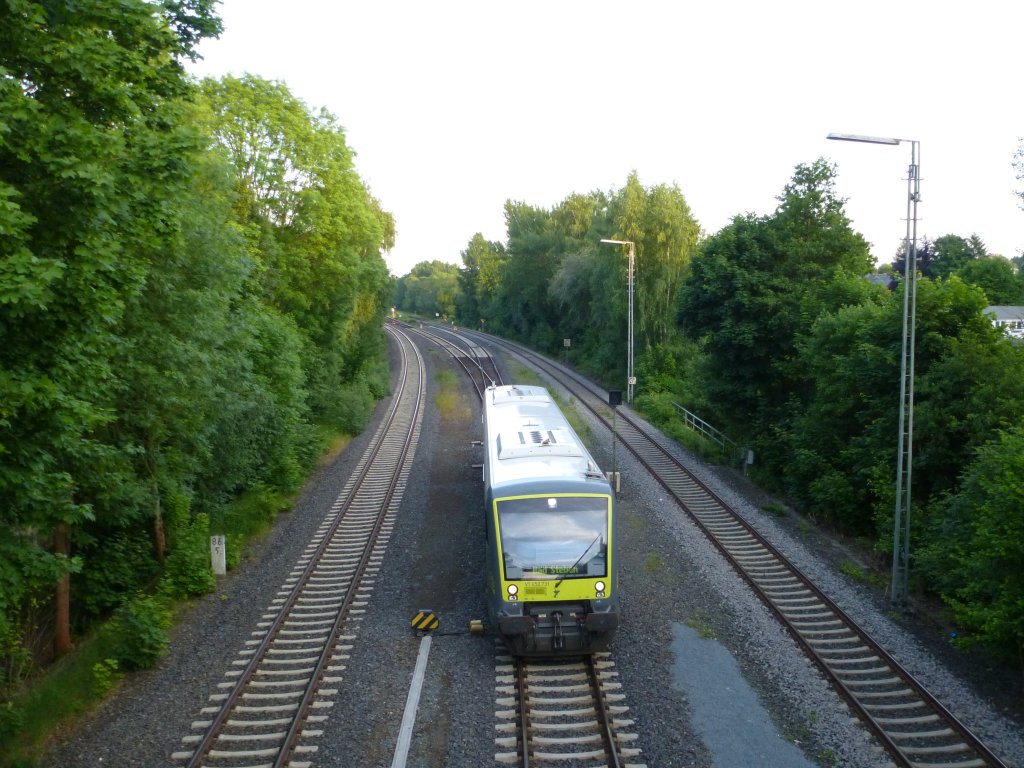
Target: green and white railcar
[(552, 586)]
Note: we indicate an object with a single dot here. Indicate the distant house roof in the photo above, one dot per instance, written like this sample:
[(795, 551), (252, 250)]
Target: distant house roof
[(886, 281), (1005, 314)]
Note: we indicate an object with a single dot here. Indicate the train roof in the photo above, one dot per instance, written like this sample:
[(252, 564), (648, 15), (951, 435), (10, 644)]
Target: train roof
[(528, 438)]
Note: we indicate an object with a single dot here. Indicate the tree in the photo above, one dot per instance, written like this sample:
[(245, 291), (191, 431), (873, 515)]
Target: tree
[(659, 222), (964, 385), (951, 253), (587, 291), (88, 120), (759, 283), (479, 279), (840, 444), (924, 255), (522, 306), (317, 231), (996, 276), (974, 556), (430, 289)]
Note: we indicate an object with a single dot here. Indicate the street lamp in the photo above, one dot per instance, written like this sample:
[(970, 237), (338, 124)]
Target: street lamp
[(901, 523), (630, 378)]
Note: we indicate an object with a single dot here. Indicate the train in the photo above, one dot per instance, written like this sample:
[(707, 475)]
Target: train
[(552, 584)]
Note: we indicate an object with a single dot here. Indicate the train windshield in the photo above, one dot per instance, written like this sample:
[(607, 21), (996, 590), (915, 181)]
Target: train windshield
[(560, 537)]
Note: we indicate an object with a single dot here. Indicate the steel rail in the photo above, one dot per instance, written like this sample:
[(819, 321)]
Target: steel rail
[(603, 710), (479, 354), (573, 711), (524, 714), (460, 355), (295, 730)]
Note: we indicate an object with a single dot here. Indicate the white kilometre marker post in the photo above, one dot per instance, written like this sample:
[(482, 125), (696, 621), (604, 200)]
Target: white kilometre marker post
[(218, 554)]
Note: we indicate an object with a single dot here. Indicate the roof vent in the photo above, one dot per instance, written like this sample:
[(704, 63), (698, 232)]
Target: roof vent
[(537, 442)]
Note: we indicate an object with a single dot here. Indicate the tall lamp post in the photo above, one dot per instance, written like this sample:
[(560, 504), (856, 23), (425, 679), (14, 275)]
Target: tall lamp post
[(630, 378), (904, 460)]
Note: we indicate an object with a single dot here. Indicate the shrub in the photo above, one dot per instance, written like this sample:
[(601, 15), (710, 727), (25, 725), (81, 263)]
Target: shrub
[(139, 633), (187, 571), (12, 720), (105, 674)]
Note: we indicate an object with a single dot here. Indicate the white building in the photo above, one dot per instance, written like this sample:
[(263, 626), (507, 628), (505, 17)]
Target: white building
[(1010, 318)]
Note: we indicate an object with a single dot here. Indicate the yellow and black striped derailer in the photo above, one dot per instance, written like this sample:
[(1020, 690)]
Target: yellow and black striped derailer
[(425, 620)]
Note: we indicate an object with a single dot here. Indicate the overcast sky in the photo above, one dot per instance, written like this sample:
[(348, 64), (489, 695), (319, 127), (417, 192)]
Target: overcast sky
[(454, 107)]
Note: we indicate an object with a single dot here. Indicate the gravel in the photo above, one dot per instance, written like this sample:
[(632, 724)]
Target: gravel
[(671, 576)]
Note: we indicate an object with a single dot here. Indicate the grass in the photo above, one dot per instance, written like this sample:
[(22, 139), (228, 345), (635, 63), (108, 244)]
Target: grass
[(335, 444), (774, 509), (828, 757), (449, 399), (524, 375), (249, 517), (702, 625), (853, 571), (857, 573), (634, 522), (52, 702)]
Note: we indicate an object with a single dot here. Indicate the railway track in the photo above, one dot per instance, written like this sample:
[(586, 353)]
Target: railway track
[(565, 712), (915, 728), (272, 704), (475, 360)]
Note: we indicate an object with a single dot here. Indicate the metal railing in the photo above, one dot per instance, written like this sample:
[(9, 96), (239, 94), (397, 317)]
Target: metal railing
[(695, 423)]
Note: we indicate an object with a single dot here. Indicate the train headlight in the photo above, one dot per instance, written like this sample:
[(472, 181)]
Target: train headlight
[(513, 590), (599, 586)]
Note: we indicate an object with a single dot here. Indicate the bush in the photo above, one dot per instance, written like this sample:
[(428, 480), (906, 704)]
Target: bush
[(105, 673), (354, 407), (187, 572), (139, 633), (973, 548), (12, 720), (15, 658), (119, 564)]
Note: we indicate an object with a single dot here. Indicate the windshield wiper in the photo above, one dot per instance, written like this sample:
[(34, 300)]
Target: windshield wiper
[(580, 559)]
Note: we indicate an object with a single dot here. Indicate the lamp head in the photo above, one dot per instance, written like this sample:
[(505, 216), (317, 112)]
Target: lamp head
[(862, 139)]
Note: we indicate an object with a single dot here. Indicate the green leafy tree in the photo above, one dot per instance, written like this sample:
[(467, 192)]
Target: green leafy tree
[(587, 290), (179, 348), (924, 257), (758, 284), (841, 439), (478, 280), (313, 225), (964, 386), (430, 289), (522, 307), (88, 130), (996, 276), (974, 556), (660, 223), (951, 253)]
